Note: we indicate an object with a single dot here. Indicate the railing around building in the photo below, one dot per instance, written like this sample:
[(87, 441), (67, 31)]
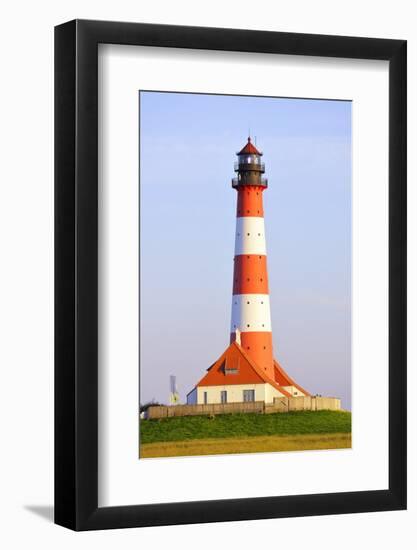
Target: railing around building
[(236, 182)]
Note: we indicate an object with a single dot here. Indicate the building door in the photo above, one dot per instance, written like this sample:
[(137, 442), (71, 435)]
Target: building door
[(205, 398), (248, 395)]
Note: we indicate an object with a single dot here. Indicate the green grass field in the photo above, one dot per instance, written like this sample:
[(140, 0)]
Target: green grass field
[(255, 432)]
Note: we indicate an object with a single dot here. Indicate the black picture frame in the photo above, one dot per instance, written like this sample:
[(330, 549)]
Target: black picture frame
[(76, 273)]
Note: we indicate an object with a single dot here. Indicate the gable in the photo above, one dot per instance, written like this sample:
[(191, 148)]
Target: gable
[(234, 366), (231, 368)]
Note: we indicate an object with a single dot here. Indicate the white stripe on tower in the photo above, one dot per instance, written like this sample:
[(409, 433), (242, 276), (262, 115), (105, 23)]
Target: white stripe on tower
[(250, 236), (251, 313)]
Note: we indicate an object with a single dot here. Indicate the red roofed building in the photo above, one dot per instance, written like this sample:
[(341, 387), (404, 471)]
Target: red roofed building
[(247, 371)]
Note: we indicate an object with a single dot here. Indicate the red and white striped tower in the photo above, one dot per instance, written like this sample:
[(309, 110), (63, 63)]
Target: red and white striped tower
[(251, 316)]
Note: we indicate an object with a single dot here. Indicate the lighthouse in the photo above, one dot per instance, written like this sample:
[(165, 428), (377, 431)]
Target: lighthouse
[(247, 370), (251, 317)]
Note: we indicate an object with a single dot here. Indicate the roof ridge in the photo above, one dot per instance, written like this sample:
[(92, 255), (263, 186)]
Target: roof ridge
[(284, 373), (258, 371)]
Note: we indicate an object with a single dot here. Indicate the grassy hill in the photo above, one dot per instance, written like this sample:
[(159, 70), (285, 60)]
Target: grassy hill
[(300, 423)]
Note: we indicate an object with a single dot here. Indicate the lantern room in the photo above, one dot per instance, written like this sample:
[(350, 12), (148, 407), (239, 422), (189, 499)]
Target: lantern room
[(249, 167)]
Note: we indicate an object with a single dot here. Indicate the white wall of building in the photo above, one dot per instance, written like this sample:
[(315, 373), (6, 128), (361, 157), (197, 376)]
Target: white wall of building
[(293, 391), (270, 393), (263, 392)]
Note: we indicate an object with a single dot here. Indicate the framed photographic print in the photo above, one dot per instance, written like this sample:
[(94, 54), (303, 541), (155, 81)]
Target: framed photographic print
[(230, 275)]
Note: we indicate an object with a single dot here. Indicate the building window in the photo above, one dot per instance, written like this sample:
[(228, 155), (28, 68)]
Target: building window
[(248, 395), (232, 370), (205, 398), (223, 396)]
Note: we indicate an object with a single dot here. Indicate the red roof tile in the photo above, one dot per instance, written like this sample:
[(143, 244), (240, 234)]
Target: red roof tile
[(242, 370), (249, 149), (282, 378), (231, 368)]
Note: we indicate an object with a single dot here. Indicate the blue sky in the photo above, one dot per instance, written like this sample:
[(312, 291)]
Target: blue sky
[(188, 144)]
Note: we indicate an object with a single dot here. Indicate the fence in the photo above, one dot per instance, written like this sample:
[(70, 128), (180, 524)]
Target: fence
[(303, 403), (280, 404)]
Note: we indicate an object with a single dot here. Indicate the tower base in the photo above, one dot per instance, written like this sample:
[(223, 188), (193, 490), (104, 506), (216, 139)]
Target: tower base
[(235, 378)]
